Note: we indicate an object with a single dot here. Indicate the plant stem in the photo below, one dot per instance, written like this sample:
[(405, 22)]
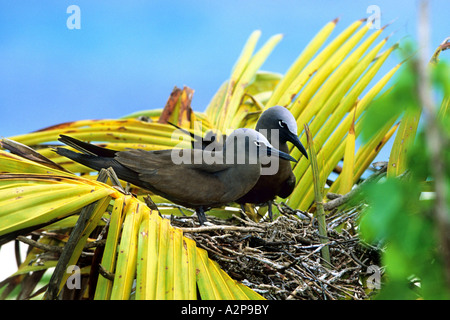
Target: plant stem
[(320, 213)]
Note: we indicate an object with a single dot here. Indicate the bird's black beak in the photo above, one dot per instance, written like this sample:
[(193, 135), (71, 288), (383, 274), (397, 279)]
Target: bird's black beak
[(291, 137), (280, 154)]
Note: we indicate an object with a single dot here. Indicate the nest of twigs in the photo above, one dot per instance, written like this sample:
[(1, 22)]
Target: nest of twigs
[(282, 259)]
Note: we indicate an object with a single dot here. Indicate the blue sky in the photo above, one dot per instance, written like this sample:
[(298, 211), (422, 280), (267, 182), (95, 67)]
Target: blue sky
[(128, 57)]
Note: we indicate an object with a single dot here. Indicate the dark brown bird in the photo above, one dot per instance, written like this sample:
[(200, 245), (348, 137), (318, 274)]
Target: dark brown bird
[(279, 126), (193, 178), (283, 182)]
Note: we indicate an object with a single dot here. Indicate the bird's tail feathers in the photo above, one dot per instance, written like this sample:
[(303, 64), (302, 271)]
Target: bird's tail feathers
[(87, 148)]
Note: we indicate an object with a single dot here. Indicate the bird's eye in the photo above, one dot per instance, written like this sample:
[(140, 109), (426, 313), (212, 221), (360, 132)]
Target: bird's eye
[(282, 123)]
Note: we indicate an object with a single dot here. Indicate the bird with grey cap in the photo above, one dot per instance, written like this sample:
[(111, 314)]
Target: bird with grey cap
[(200, 185), (273, 120), (283, 182)]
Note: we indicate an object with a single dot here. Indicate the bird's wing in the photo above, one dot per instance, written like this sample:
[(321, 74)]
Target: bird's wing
[(188, 159), (185, 183)]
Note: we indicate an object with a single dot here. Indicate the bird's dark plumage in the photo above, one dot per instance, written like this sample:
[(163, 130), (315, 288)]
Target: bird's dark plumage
[(282, 183), (198, 185)]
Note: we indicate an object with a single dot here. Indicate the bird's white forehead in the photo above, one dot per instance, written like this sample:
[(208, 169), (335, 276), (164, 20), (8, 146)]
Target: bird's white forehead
[(282, 113)]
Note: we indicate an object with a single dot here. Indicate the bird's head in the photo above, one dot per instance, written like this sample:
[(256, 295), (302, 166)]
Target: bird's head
[(253, 144), (280, 119)]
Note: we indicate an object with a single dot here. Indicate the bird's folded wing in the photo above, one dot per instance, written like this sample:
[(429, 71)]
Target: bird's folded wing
[(196, 184), (194, 159)]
